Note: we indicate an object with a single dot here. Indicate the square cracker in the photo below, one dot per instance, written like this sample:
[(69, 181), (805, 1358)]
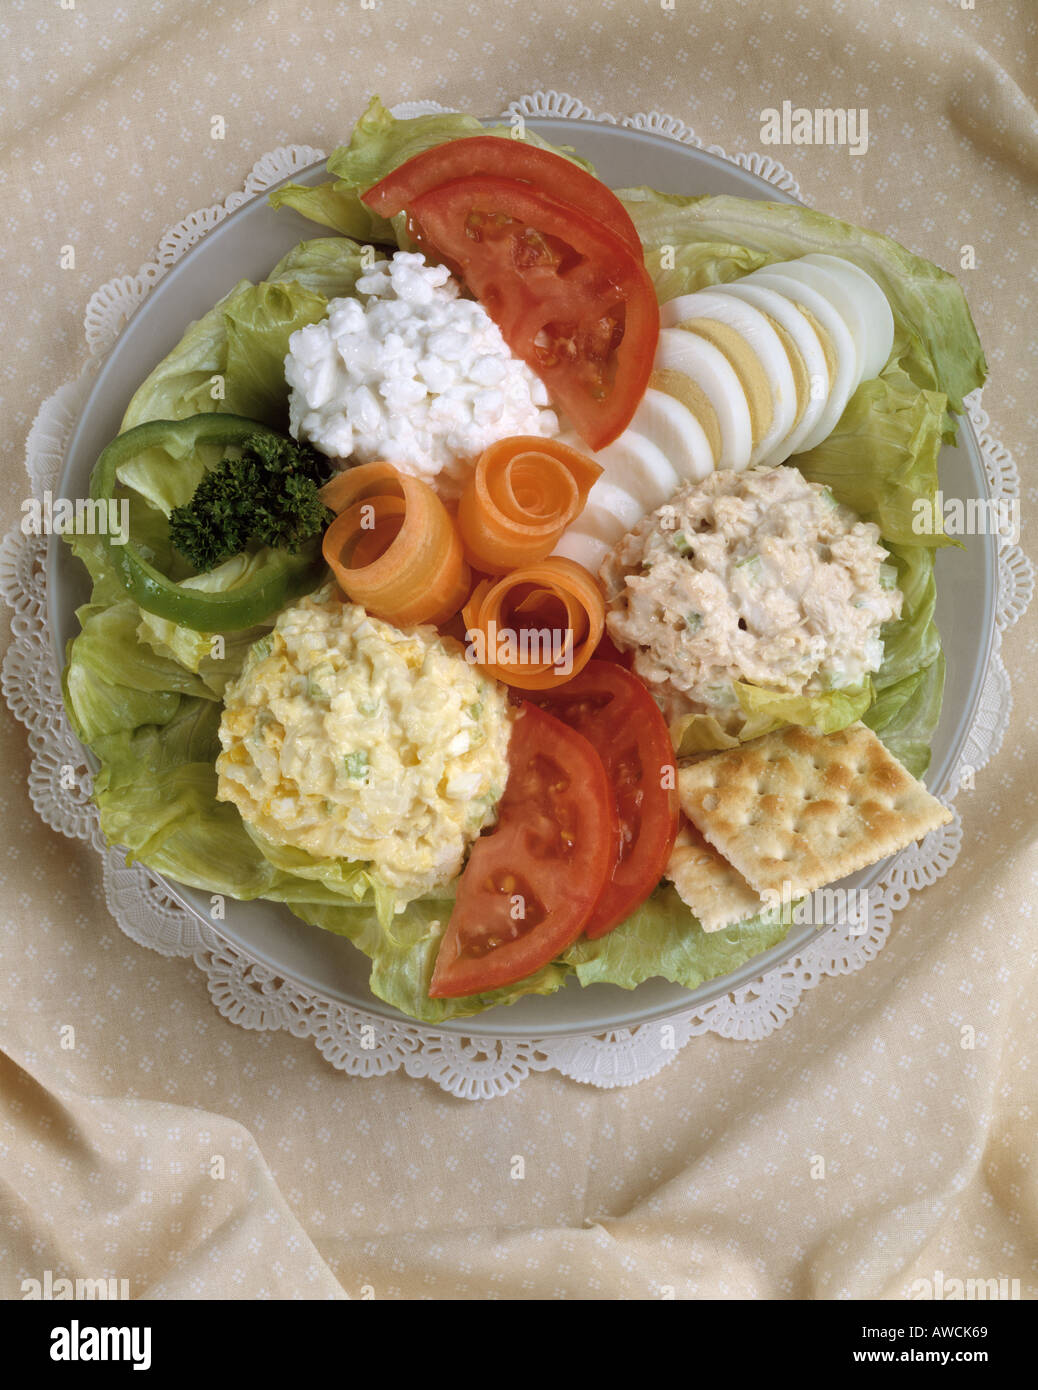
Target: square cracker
[(708, 884), (805, 809)]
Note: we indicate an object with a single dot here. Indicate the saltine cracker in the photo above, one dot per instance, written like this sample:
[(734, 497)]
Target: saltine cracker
[(803, 809), (718, 895)]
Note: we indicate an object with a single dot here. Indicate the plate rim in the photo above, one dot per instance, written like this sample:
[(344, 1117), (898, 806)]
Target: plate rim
[(477, 1025)]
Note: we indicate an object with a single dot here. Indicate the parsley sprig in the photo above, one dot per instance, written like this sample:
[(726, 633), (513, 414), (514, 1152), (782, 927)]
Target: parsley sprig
[(268, 495)]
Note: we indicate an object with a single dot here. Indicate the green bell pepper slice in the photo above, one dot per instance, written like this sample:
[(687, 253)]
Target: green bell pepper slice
[(283, 578)]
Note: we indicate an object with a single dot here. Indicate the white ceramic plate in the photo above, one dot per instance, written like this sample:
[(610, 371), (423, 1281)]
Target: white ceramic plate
[(247, 244)]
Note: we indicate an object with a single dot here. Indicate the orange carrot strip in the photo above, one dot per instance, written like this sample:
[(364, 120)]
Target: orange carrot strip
[(523, 493), (352, 484), (502, 619), (393, 548)]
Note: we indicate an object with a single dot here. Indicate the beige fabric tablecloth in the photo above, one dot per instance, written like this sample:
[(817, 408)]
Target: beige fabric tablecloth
[(700, 1181)]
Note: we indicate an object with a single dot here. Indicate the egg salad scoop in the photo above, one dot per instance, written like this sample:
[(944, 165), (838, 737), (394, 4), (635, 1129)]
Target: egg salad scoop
[(347, 738)]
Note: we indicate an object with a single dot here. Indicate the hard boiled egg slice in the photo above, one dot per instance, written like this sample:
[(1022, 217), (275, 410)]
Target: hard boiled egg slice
[(756, 352), (843, 368), (609, 512), (704, 380), (587, 549), (835, 290), (676, 432), (806, 356), (636, 465), (872, 304)]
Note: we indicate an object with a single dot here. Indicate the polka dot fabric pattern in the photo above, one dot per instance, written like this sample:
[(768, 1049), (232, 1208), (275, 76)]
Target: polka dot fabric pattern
[(885, 1130)]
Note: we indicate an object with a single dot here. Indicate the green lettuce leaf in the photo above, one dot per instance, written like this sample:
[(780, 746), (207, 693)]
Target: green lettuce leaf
[(258, 328), (94, 554), (217, 662), (98, 707), (379, 144), (910, 683), (881, 459), (911, 642), (703, 733), (696, 265), (334, 207), (906, 713), (159, 479), (663, 939), (767, 710), (935, 344), (403, 955), (156, 794), (232, 358), (827, 713), (343, 878), (113, 683), (328, 266), (185, 376)]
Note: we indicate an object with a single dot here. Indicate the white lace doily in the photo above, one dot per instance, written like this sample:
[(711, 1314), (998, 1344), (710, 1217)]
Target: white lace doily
[(476, 1066)]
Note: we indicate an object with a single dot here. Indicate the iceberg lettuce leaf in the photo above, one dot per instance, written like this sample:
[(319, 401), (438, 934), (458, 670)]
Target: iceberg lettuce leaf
[(910, 642), (404, 954), (215, 657), (662, 939), (175, 387), (331, 206), (258, 326), (935, 344), (881, 459), (232, 358), (343, 878), (827, 712), (97, 706), (328, 266), (696, 265), (379, 144), (906, 713)]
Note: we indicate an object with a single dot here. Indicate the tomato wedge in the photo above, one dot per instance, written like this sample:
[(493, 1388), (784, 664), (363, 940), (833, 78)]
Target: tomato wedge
[(613, 710), (508, 159), (570, 296), (530, 884)]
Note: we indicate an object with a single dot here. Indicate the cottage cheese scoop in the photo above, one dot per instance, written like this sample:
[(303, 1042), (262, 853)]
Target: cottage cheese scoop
[(758, 576), (410, 372)]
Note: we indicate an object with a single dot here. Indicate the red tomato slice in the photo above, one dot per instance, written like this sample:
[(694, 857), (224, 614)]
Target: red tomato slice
[(530, 884), (614, 711), (607, 650), (569, 295), (503, 159)]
